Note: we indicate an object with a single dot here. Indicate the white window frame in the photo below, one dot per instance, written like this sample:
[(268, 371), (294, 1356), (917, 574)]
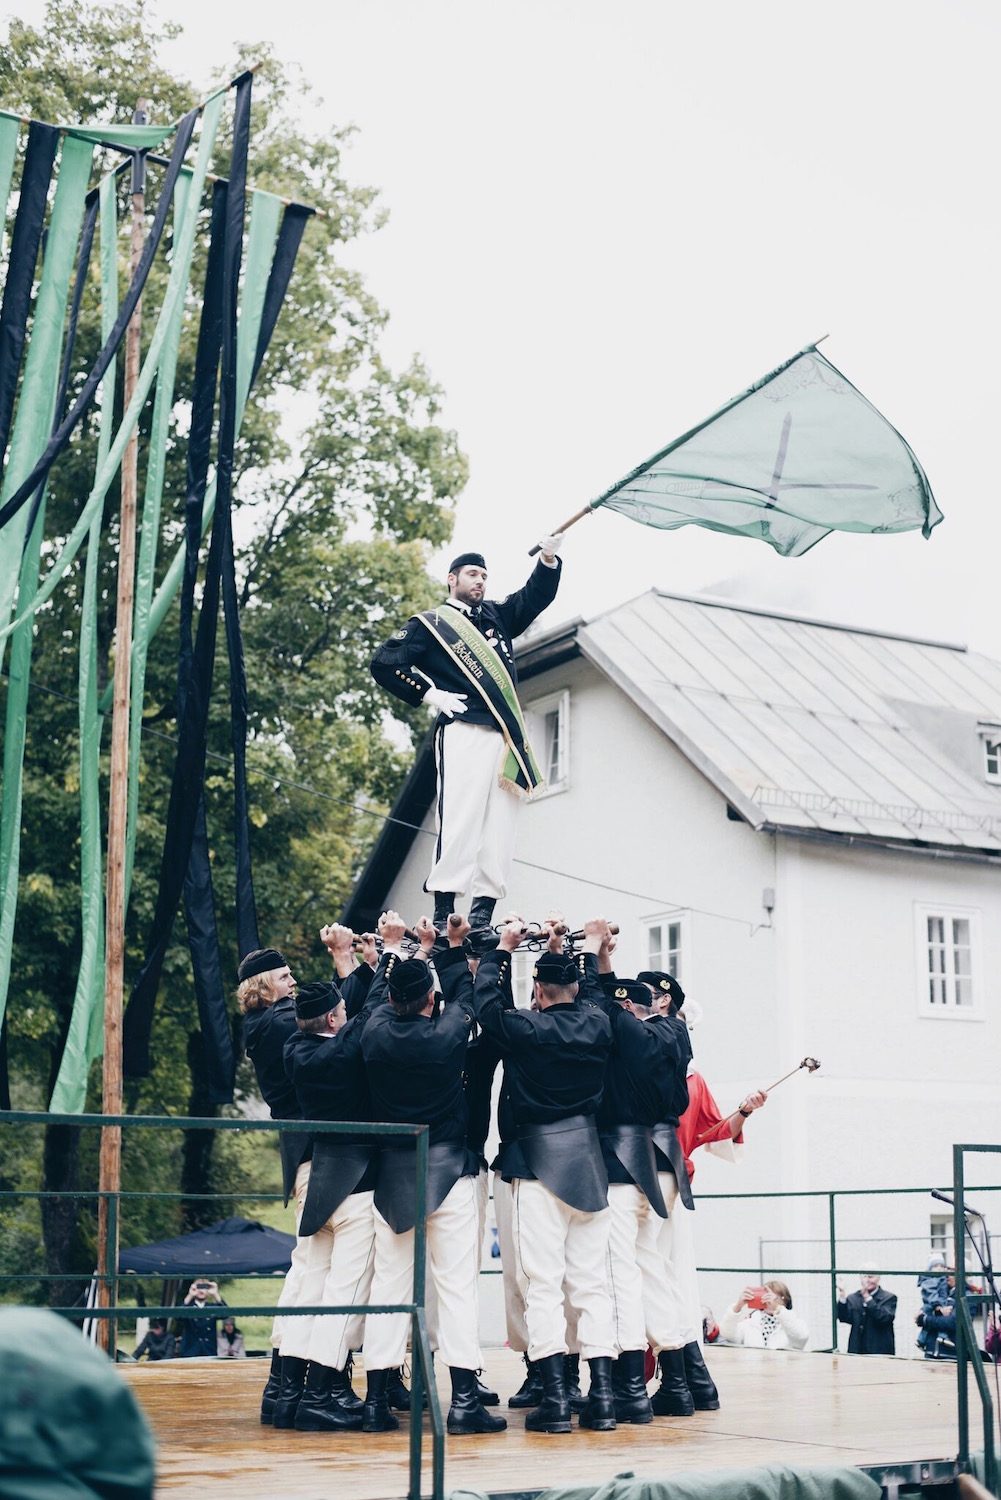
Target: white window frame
[(992, 752), (522, 984), (539, 708), (678, 916), (940, 1235), (949, 1010)]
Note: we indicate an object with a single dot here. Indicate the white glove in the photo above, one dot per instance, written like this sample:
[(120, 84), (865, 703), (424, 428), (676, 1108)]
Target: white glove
[(447, 703), (550, 545)]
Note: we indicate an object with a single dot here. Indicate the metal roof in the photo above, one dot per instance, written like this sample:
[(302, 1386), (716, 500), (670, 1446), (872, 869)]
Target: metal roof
[(812, 726), (806, 726)]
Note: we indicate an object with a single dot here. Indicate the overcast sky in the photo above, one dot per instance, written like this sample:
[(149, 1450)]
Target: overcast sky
[(606, 219)]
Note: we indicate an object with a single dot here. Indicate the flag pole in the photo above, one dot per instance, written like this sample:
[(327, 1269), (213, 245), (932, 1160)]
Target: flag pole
[(110, 1164), (578, 515)]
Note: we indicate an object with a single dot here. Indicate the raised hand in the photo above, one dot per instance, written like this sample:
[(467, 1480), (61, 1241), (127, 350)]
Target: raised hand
[(392, 928)]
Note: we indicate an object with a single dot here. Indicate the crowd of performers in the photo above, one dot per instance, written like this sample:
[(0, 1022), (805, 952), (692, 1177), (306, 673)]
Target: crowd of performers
[(598, 1115)]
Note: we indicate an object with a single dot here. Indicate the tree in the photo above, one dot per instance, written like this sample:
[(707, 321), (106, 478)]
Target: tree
[(345, 479)]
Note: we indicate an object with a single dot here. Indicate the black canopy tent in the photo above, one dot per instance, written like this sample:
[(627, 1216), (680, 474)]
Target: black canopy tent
[(231, 1247)]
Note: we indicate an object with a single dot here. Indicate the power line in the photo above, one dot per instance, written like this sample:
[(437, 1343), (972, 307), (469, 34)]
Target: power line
[(659, 903)]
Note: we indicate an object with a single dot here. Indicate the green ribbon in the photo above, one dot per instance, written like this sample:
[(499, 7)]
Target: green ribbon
[(32, 425), (85, 1039)]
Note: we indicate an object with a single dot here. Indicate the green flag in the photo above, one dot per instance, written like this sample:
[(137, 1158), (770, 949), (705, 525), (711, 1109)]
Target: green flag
[(799, 454)]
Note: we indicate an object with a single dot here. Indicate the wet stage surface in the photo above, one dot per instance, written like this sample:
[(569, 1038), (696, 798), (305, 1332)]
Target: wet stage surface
[(776, 1408)]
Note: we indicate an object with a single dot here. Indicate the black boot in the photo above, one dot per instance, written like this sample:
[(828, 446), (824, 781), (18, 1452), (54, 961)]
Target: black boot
[(482, 937), (575, 1395), (466, 1414), (632, 1404), (699, 1381), (377, 1416), (672, 1397), (599, 1412), (529, 1393), (397, 1393), (342, 1391), (293, 1378), (444, 906), (323, 1407), (485, 1395), (481, 911), (553, 1412), (270, 1393)]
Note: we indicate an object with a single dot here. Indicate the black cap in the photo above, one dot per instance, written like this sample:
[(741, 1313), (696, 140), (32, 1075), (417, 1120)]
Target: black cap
[(467, 560), (260, 961), (410, 980), (555, 968), (317, 999), (665, 983), (632, 989)]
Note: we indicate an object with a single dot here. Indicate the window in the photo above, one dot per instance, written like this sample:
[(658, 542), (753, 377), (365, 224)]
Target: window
[(548, 723), (522, 986), (940, 1234), (948, 942), (663, 943), (990, 738)]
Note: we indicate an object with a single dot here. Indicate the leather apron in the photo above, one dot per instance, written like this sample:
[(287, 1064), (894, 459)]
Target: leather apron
[(633, 1145), (665, 1138), (337, 1169), (396, 1182), (294, 1149), (565, 1156)]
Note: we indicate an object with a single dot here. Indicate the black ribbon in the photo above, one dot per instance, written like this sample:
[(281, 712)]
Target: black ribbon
[(36, 174), (61, 436), (185, 843)]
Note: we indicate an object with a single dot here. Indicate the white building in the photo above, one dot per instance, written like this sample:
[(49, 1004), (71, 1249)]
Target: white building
[(802, 821)]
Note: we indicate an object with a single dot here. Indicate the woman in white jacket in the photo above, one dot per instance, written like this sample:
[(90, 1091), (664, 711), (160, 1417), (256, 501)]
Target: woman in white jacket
[(762, 1318)]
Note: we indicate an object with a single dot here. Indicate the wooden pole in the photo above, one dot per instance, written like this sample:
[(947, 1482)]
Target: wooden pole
[(578, 515), (110, 1169)]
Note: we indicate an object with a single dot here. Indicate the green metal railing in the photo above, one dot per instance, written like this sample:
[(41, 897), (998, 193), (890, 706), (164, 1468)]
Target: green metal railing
[(834, 1268), (967, 1352), (109, 1276)]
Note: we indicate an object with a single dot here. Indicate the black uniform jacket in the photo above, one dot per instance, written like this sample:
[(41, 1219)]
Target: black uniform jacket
[(398, 663), (265, 1033), (415, 1064), (554, 1059), (329, 1078), (645, 1079)]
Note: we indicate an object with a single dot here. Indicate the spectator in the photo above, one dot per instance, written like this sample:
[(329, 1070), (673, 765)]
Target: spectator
[(158, 1343), (870, 1313), (934, 1289), (229, 1343), (198, 1335), (762, 1318), (938, 1321)]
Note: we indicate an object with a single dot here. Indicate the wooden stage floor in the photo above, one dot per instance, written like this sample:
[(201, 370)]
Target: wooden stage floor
[(776, 1408)]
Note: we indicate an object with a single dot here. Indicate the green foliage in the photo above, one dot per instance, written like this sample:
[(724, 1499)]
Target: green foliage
[(345, 478)]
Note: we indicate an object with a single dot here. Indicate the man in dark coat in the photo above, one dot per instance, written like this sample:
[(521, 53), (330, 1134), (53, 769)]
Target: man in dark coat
[(870, 1313), (415, 1055), (459, 659), (554, 1062)]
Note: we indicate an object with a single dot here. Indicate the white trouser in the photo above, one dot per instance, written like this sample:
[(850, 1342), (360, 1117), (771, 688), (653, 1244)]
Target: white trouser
[(337, 1269), (453, 1265), (475, 816), (514, 1299), (677, 1251), (289, 1293), (646, 1298), (557, 1246)]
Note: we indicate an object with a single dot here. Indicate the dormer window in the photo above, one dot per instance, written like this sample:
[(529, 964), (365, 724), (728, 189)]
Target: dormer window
[(990, 735)]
